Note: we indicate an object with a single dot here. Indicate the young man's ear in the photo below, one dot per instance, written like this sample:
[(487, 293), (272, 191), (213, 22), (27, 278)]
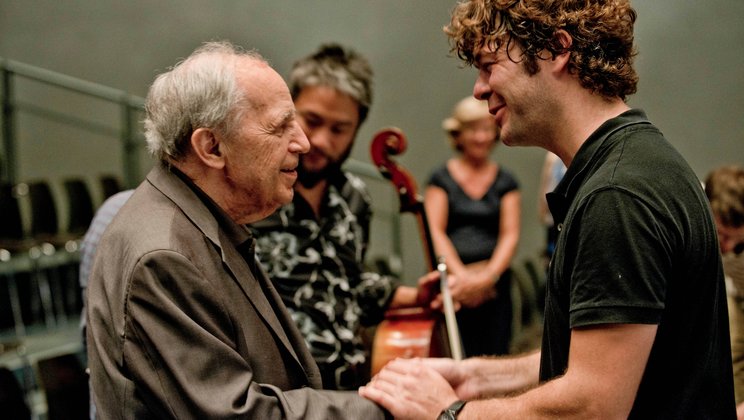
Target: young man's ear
[(207, 148), (565, 40)]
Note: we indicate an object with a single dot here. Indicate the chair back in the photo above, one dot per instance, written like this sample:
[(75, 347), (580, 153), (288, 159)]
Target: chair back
[(11, 224), (43, 210), (109, 186), (80, 206)]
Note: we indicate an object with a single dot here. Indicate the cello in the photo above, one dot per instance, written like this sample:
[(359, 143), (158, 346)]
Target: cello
[(416, 331)]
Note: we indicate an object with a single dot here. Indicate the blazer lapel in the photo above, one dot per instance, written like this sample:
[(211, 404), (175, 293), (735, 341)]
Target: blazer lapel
[(273, 313), (256, 292)]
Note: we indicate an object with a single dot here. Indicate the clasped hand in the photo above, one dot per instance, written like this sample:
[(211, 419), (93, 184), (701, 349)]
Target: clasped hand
[(414, 388), (472, 287)]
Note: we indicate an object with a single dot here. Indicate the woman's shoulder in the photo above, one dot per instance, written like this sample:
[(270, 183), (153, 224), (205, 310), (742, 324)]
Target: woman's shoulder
[(440, 173), (506, 177)]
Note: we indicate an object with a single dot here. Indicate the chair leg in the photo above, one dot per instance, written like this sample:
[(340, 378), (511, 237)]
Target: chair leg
[(45, 293), (72, 294), (57, 294), (15, 304)]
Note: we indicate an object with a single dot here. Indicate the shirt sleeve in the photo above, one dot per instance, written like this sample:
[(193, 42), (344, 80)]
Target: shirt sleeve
[(510, 182), (621, 261), (437, 178), (375, 292)]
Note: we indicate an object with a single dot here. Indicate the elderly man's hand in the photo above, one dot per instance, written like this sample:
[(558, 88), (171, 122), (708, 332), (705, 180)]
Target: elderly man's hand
[(410, 389)]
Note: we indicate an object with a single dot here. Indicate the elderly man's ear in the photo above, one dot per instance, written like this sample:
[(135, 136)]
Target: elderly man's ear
[(208, 148)]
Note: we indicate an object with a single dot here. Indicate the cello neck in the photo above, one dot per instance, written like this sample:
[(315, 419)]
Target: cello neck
[(392, 141)]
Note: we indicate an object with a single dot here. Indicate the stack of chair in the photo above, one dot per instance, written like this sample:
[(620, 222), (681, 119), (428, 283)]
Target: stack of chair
[(17, 254), (60, 247), (44, 256)]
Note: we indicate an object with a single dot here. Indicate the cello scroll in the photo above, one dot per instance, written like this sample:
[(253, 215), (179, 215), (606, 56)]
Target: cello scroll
[(392, 141)]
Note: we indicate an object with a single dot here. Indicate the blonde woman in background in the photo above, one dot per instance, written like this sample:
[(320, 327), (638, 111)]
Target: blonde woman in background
[(473, 207)]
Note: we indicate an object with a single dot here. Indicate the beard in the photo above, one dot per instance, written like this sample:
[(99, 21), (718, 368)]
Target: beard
[(310, 178)]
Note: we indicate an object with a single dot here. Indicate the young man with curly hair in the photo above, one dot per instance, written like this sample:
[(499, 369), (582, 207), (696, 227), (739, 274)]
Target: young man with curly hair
[(635, 317)]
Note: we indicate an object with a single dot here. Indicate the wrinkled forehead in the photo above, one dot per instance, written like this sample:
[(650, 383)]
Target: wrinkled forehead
[(249, 71), (261, 84)]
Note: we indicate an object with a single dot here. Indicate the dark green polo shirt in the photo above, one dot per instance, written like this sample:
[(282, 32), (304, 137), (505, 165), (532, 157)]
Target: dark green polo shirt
[(637, 245)]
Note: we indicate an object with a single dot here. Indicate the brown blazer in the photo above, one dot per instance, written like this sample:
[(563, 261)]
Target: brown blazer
[(179, 326)]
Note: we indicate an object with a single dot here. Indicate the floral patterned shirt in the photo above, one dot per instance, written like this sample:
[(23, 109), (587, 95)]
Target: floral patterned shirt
[(317, 266)]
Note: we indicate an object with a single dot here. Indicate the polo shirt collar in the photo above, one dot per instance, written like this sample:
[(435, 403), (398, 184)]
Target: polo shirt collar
[(561, 198)]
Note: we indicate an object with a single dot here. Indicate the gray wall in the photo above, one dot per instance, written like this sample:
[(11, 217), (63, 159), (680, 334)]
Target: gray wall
[(691, 65)]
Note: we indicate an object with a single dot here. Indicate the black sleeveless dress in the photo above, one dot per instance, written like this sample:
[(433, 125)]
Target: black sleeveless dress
[(473, 228)]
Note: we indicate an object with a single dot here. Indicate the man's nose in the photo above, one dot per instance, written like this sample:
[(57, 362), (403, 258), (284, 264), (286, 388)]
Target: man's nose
[(481, 89), (301, 141), (319, 138)]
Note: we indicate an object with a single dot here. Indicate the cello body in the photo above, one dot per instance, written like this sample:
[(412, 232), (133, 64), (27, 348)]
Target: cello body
[(407, 333)]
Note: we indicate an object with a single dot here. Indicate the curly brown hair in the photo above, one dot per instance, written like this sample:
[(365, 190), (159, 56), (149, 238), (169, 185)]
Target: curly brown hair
[(724, 188), (601, 51)]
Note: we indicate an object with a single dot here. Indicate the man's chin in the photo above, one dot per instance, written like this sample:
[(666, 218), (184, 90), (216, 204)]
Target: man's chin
[(310, 179)]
